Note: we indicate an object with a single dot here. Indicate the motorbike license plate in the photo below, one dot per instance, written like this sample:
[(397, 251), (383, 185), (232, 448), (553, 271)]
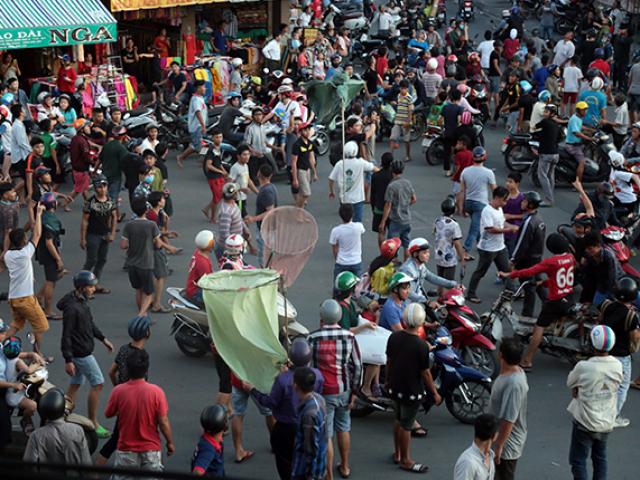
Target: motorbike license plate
[(204, 150), (467, 9), (426, 142), (504, 147)]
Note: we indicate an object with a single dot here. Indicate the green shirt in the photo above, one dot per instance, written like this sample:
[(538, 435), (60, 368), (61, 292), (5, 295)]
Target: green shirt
[(349, 315), (49, 143), (112, 156)]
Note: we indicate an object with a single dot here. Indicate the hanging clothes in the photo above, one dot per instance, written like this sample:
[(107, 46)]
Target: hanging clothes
[(189, 48)]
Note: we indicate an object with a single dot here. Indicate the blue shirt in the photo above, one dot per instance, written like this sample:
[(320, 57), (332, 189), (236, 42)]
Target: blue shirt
[(596, 101), (208, 457), (575, 125), (415, 43), (220, 41), (391, 314), (540, 77), (309, 460)]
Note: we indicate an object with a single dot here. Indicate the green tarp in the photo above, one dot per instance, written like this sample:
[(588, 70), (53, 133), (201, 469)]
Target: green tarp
[(242, 308), (326, 98)]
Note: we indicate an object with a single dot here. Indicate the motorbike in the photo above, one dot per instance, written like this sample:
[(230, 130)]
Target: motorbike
[(320, 138), (190, 327), (433, 145), (349, 16), (362, 48), (466, 11), (464, 390), (465, 326), (136, 121), (520, 151), (37, 384), (613, 239), (533, 7), (566, 338)]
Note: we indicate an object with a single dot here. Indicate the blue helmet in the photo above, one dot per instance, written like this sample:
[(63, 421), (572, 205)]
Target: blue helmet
[(11, 347), (139, 327), (232, 95), (7, 99), (49, 201), (84, 278), (525, 86), (544, 96)]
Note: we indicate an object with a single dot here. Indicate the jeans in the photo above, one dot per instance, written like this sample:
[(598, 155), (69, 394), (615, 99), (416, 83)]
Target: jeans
[(623, 389), (97, 250), (547, 174), (547, 32), (283, 437), (355, 269), (501, 260), (114, 189), (581, 442), (399, 230), (512, 122), (474, 209), (358, 211)]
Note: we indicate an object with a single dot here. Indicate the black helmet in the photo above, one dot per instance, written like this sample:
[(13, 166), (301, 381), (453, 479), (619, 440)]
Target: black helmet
[(448, 206), (397, 166), (605, 188), (533, 199), (52, 404), (626, 290), (139, 327), (557, 244), (591, 74), (300, 352), (100, 179), (84, 278), (452, 70), (214, 419)]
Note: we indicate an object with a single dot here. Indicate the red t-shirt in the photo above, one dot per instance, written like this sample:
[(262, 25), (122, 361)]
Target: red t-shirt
[(462, 160), (601, 65), (382, 64), (198, 266), (64, 85), (559, 270), (138, 405)]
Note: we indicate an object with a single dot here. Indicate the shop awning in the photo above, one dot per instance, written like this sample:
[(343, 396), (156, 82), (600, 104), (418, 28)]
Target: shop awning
[(54, 23), (126, 5)]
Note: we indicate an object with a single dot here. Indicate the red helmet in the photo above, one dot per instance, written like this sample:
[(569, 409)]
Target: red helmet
[(452, 58), (473, 56), (389, 248)]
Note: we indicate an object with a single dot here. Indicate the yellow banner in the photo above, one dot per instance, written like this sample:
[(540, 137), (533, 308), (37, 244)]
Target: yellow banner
[(124, 5)]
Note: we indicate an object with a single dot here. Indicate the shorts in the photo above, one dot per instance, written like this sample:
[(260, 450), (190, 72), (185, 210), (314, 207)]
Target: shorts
[(400, 133), (633, 102), (150, 461), (28, 309), (304, 182), (196, 140), (81, 181), (569, 97), (215, 185), (456, 188), (18, 169), (87, 367), (141, 279), (160, 264), (446, 272), (51, 272), (576, 151), (494, 84), (240, 401), (554, 310), (338, 415), (399, 230), (224, 374), (114, 189), (375, 223), (406, 414)]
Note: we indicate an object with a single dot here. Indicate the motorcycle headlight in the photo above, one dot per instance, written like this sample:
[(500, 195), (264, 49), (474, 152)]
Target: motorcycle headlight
[(446, 340), (459, 299)]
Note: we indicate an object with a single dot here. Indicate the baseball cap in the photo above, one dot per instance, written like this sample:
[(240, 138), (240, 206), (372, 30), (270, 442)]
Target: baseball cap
[(479, 152), (119, 131), (41, 170), (304, 125), (66, 57), (582, 105)]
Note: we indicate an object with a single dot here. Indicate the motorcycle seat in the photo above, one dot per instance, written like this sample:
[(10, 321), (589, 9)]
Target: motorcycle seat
[(180, 295), (522, 136), (138, 111)]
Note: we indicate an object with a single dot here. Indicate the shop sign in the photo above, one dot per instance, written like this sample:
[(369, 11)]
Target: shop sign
[(126, 5), (38, 37)]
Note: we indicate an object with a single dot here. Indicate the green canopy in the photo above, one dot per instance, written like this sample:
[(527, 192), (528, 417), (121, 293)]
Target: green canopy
[(327, 98), (54, 23)]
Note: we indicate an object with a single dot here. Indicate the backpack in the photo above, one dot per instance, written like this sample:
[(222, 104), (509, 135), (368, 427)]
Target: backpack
[(633, 346)]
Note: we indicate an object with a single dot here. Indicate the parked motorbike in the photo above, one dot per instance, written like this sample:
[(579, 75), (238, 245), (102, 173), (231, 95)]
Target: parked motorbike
[(349, 16), (433, 145), (566, 338), (614, 240), (321, 139), (464, 390), (136, 121), (466, 11), (190, 326), (520, 151)]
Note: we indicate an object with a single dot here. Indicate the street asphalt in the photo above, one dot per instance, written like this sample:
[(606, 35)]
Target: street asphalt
[(191, 384)]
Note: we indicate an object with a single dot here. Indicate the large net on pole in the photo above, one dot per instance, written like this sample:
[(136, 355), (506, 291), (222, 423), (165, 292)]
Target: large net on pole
[(290, 235)]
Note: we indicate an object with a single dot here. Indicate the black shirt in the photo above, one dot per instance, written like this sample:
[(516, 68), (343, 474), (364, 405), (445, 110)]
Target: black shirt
[(621, 48), (408, 356), (492, 69), (303, 150), (549, 136), (616, 315), (587, 54), (379, 183), (371, 79), (450, 113), (177, 80), (526, 102), (227, 118), (216, 161), (131, 164), (100, 215)]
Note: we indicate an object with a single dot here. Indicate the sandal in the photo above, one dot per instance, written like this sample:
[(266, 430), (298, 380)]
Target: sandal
[(162, 309), (247, 455), (474, 299), (103, 290), (635, 384), (415, 468), (343, 474), (419, 432)]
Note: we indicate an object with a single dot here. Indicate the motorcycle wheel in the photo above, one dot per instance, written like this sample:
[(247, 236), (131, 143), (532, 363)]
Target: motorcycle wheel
[(468, 400), (563, 26), (191, 343), (323, 142), (92, 440), (482, 359), (513, 158), (418, 128), (435, 153)]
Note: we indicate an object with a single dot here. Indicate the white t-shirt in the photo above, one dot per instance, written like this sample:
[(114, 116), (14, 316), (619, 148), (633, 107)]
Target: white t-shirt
[(239, 174), (623, 188), (385, 20), (572, 77), (348, 238), (563, 51), (148, 145), (349, 177), (622, 117), (20, 268), (272, 50), (485, 48), (491, 217)]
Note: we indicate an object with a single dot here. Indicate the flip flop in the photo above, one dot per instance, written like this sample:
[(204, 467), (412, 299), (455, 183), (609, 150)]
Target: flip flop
[(162, 309), (394, 459), (417, 432), (474, 299), (527, 368), (247, 456), (415, 468), (635, 385), (341, 473)]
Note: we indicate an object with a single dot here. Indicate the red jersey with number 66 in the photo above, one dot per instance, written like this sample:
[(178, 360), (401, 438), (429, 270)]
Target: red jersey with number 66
[(559, 270)]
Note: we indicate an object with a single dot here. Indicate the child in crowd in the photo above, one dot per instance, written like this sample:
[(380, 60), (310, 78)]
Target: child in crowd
[(462, 159), (49, 255), (448, 247), (16, 398), (208, 458), (50, 154)]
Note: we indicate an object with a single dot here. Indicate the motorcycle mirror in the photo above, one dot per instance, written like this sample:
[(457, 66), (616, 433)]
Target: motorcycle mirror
[(126, 116)]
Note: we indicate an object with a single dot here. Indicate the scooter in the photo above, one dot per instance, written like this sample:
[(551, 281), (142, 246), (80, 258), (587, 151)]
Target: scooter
[(464, 390), (467, 11), (465, 326), (136, 121), (614, 241), (190, 326), (566, 338)]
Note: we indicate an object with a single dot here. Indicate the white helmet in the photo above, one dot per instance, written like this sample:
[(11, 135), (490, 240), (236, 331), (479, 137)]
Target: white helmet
[(236, 62), (513, 34), (287, 81), (414, 315), (432, 64), (350, 150), (602, 338), (616, 159), (234, 244), (597, 83), (205, 239), (418, 244)]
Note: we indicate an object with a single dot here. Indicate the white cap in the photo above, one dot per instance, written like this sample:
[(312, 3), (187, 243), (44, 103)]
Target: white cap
[(432, 64), (205, 239), (236, 62), (597, 83), (350, 150)]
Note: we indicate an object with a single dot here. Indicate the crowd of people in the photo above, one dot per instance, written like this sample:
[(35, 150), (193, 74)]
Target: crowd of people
[(534, 84)]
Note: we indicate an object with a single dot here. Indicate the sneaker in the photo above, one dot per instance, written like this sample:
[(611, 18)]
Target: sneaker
[(102, 432), (621, 422)]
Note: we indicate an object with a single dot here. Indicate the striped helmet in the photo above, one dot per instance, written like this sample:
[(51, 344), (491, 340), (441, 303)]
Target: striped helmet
[(602, 338)]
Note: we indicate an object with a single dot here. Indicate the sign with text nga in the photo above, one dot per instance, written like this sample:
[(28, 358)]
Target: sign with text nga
[(38, 37)]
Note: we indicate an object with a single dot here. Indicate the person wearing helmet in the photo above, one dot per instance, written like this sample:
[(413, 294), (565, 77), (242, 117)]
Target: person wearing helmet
[(344, 287), (525, 106), (416, 268), (229, 217), (398, 197), (593, 384), (348, 178), (228, 119), (199, 265), (342, 375), (231, 257), (448, 246), (577, 135), (399, 288), (598, 205), (596, 101), (56, 441), (431, 80), (537, 112), (548, 133), (78, 333), (15, 394), (208, 457), (491, 246), (382, 267), (623, 181), (621, 316), (631, 147), (284, 401)]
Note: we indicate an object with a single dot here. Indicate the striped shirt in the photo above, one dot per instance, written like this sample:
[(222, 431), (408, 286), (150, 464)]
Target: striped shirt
[(405, 106), (229, 220), (431, 82), (336, 354), (309, 460)]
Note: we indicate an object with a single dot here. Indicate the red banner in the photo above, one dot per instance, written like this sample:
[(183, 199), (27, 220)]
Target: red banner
[(124, 5)]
